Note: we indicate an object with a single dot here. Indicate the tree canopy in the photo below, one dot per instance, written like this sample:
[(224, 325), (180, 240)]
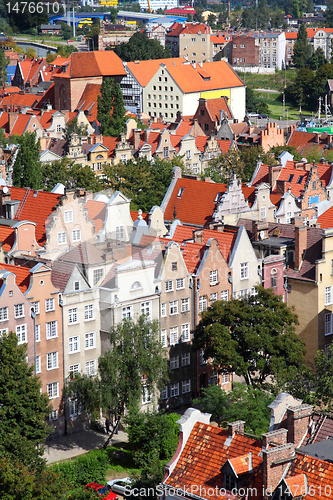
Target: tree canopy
[(23, 407), (141, 48), (135, 351), (253, 336), (242, 403), (302, 49), (27, 168), (71, 174), (111, 109)]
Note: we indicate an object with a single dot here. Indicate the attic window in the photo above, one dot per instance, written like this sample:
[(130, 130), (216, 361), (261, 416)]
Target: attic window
[(217, 197), (291, 176), (229, 482), (180, 192), (301, 177)]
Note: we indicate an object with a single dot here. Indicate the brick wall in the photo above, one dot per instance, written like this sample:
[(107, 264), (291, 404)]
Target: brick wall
[(298, 421)]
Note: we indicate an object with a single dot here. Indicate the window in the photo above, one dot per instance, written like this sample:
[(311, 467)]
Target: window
[(37, 333), (145, 308), (185, 305), (51, 329), (188, 154), (185, 333), (193, 40), (126, 312), (74, 407), (76, 286), (328, 295), (90, 340), (53, 390), (174, 390), (263, 212), (19, 311), (225, 295), (62, 238), (123, 158), (273, 278), (88, 312), (186, 358), (163, 310), (174, 264), (90, 367), (180, 283), (202, 358), (38, 364), (73, 315), (213, 297), (34, 306), (174, 335), (328, 324), (120, 233), (213, 277), (52, 360), (146, 394), (73, 369), (4, 313), (49, 305), (174, 362), (288, 217), (76, 235), (186, 386), (99, 165), (97, 275), (244, 292), (229, 482), (74, 344), (164, 338), (53, 415), (244, 270), (59, 128), (164, 393), (214, 379), (173, 307), (225, 378), (166, 152), (21, 333), (68, 217), (202, 303)]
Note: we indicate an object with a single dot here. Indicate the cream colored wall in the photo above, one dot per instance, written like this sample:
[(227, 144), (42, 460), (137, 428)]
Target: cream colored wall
[(174, 97), (324, 278)]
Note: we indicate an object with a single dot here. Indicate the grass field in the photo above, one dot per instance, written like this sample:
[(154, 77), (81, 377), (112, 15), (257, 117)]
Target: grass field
[(274, 102), (274, 81)]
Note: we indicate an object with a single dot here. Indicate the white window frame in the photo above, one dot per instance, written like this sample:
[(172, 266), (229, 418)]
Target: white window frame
[(127, 312), (120, 233), (186, 358), (180, 283), (202, 303), (185, 305), (73, 316), (68, 216), (73, 369), (49, 305), (76, 235), (168, 286), (244, 270), (74, 344), (34, 306), (62, 238), (53, 415), (97, 276), (53, 390), (174, 390), (146, 394), (52, 360), (145, 308), (328, 295), (19, 310), (164, 337), (328, 324), (89, 340), (89, 312), (37, 333), (38, 364), (21, 333), (164, 393), (186, 386), (174, 362), (51, 329), (213, 297), (164, 310), (213, 277), (174, 335), (4, 313), (185, 333), (173, 307), (90, 367)]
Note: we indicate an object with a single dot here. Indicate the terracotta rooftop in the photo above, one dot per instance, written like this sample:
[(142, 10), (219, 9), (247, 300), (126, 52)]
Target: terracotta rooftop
[(88, 101), (22, 275), (92, 64), (214, 106), (326, 219), (85, 253), (307, 141), (188, 28), (144, 71), (96, 213), (7, 237)]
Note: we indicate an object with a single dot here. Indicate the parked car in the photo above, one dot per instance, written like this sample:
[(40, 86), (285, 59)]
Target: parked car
[(102, 490), (119, 485), (263, 116)]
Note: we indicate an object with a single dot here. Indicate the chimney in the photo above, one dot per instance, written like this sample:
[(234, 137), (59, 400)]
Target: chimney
[(298, 421), (317, 136), (234, 427), (276, 460), (259, 230), (277, 438), (136, 137), (198, 236), (301, 236)]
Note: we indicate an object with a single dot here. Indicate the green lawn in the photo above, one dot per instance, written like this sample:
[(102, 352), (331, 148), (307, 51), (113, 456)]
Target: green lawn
[(274, 102), (274, 81)]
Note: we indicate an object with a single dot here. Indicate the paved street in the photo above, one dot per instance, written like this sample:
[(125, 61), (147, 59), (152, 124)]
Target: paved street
[(76, 444)]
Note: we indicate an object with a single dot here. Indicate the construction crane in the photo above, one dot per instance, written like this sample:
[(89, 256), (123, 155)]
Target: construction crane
[(149, 8)]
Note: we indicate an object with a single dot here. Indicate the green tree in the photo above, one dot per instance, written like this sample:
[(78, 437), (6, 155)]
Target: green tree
[(72, 127), (31, 17), (69, 173), (242, 403), (3, 67), (27, 168), (23, 407), (317, 59), (323, 378), (135, 351), (148, 431), (141, 48), (66, 31), (302, 49), (253, 336), (111, 99)]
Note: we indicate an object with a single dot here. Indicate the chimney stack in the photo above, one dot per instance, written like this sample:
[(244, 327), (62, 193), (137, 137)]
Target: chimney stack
[(275, 463), (301, 236), (298, 421), (198, 236), (234, 427), (136, 137)]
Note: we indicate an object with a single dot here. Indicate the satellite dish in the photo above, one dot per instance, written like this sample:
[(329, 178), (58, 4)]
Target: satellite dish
[(262, 235), (5, 189)]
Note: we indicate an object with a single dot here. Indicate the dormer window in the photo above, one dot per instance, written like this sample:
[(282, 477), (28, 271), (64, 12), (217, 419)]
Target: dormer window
[(291, 176), (180, 192), (229, 482)]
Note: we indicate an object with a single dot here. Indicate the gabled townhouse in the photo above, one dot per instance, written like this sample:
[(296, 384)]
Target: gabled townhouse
[(176, 88), (190, 40), (81, 327), (17, 237), (27, 72), (17, 123), (138, 75), (211, 112), (307, 142), (238, 465), (81, 69)]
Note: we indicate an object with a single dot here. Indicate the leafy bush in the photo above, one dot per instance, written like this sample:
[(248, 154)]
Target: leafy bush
[(84, 469)]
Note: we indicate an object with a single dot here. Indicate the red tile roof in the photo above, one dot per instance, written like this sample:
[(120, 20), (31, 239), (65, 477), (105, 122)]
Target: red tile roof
[(318, 473), (212, 75), (224, 145), (92, 64), (144, 71), (88, 101), (214, 106), (35, 206), (22, 275), (326, 219), (306, 141), (15, 101), (188, 28), (205, 452), (217, 39), (261, 176), (7, 237)]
